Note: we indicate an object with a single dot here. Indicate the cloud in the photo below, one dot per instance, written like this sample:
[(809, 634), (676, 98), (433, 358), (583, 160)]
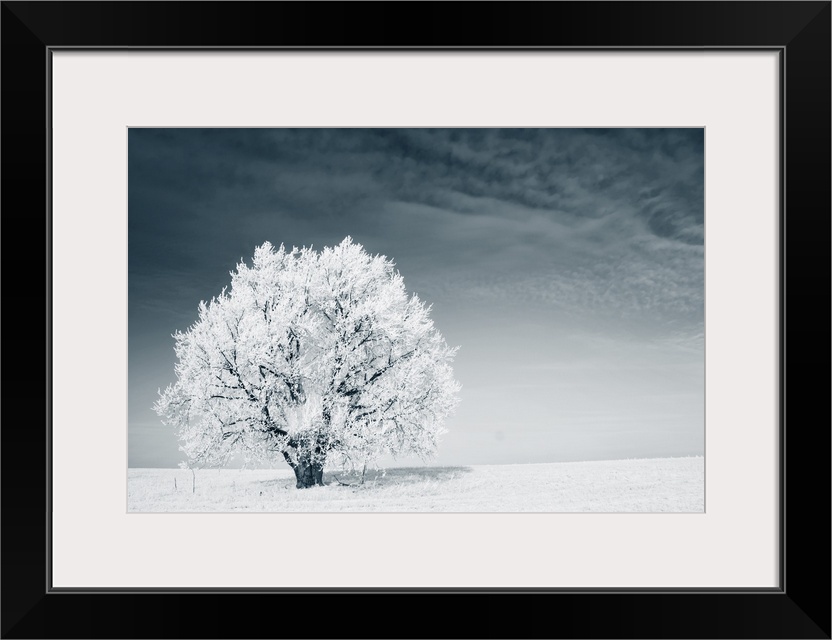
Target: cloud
[(572, 172), (579, 218)]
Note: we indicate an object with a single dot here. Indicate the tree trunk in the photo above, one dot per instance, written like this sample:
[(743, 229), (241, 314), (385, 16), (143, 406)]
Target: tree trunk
[(307, 464), (308, 473)]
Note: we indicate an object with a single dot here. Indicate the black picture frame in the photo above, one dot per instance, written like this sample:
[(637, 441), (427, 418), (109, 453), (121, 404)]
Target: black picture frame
[(798, 608)]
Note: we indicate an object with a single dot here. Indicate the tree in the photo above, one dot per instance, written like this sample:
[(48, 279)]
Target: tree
[(313, 357)]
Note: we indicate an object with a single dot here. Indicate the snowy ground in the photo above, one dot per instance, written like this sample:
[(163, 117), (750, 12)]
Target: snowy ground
[(649, 485)]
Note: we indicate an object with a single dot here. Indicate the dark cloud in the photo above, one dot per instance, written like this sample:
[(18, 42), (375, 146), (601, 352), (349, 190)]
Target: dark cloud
[(550, 169), (213, 184)]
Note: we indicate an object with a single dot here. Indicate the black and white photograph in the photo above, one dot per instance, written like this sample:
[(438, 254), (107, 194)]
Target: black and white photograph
[(416, 320), (519, 304)]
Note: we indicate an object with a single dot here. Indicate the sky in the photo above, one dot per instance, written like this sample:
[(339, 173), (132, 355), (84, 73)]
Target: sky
[(567, 265)]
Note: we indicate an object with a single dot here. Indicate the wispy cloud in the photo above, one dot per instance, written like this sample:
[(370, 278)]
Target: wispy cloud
[(603, 219)]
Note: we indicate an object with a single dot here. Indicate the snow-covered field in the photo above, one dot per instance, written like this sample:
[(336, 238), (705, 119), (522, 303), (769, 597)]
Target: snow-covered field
[(647, 485)]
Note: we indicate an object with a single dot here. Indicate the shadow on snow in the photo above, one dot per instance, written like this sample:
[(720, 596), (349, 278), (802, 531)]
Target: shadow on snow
[(398, 476)]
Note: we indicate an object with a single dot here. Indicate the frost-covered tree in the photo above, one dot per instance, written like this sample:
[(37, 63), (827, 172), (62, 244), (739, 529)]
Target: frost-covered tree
[(313, 357)]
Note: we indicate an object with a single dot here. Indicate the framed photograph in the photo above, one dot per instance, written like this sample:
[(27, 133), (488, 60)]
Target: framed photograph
[(540, 286)]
